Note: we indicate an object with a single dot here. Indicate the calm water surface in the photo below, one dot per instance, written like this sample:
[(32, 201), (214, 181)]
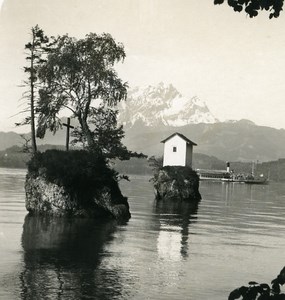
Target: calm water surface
[(166, 250)]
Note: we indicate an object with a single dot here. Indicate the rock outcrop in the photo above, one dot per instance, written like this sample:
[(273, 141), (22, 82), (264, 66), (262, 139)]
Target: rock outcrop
[(47, 198), (176, 183), (74, 183)]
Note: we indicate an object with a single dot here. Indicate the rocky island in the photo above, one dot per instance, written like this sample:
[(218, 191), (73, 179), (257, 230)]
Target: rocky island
[(174, 177), (73, 183), (176, 183), (77, 76)]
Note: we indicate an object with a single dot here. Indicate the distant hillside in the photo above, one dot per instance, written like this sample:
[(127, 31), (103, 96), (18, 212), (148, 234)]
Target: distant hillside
[(232, 141), (141, 166), (13, 157), (8, 139), (228, 141), (273, 170)]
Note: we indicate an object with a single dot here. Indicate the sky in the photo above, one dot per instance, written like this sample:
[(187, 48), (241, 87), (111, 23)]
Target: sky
[(232, 62)]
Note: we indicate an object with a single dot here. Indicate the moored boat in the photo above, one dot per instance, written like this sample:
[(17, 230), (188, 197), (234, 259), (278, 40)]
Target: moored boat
[(232, 180), (230, 176), (213, 175), (256, 181), (248, 181)]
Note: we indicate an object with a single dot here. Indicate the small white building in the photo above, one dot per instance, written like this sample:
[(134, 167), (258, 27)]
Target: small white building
[(178, 150)]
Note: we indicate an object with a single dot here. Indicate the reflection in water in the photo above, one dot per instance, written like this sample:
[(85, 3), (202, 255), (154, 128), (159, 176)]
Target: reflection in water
[(61, 258), (81, 259), (175, 218)]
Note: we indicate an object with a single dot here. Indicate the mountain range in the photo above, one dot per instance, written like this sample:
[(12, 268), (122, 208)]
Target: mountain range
[(162, 105), (152, 113)]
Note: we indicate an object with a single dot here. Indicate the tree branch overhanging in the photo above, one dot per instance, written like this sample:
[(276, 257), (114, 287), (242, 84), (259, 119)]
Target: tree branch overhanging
[(253, 7)]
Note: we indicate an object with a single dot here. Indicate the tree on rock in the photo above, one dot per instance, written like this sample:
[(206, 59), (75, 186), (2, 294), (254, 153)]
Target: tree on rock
[(252, 7), (79, 76), (36, 49), (106, 134)]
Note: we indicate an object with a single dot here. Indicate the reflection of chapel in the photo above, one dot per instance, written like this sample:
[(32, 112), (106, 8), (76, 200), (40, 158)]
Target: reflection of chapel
[(178, 150)]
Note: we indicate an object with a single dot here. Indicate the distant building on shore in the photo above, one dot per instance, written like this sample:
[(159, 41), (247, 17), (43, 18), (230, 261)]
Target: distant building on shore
[(178, 150)]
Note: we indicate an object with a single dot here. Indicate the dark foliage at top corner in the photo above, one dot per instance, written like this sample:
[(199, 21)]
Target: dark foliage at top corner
[(252, 7)]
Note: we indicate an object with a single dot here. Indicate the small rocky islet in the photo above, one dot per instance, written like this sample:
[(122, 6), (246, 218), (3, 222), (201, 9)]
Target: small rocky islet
[(74, 184)]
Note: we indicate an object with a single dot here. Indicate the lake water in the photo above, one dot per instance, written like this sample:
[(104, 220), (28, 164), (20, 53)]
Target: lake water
[(166, 250)]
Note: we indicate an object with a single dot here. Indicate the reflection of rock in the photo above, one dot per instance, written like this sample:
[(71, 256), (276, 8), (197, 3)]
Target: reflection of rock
[(44, 197), (177, 183), (185, 210), (83, 234), (61, 258), (175, 218)]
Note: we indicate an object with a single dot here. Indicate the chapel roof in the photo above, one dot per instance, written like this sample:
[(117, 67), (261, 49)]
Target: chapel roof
[(180, 135)]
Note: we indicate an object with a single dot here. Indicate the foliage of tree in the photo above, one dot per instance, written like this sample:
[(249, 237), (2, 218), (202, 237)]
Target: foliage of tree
[(26, 147), (79, 75), (252, 7), (261, 291), (106, 133), (156, 163), (36, 49)]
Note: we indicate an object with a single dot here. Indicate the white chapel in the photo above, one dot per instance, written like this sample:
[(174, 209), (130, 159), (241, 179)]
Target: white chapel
[(178, 150)]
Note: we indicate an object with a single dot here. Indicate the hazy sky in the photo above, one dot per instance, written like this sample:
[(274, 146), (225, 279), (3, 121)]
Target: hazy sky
[(233, 63)]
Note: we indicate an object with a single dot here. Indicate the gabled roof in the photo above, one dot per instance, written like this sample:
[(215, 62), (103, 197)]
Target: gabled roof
[(180, 135)]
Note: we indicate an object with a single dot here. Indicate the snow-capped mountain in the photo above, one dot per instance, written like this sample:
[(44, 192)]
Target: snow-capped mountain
[(163, 105)]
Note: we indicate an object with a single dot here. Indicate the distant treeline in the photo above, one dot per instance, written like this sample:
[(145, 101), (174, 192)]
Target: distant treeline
[(138, 166), (14, 157), (274, 170)]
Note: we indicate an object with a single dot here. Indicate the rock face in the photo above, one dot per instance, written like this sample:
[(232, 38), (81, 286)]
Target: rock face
[(74, 183), (47, 198), (176, 183)]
